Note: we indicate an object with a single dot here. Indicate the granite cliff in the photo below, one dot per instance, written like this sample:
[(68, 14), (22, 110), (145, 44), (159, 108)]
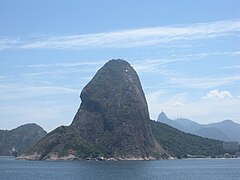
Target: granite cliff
[(112, 122)]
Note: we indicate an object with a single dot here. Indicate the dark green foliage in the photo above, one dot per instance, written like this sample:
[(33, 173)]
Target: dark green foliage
[(66, 140), (15, 141), (180, 144), (49, 143), (84, 149)]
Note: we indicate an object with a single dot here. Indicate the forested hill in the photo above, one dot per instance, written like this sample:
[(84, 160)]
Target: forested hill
[(180, 144), (17, 140)]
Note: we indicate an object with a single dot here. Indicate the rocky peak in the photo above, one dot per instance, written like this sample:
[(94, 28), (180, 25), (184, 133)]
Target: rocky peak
[(113, 119), (116, 83), (114, 112), (162, 117)]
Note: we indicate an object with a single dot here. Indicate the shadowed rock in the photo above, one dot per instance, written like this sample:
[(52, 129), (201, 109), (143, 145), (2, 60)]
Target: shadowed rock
[(112, 121), (15, 141)]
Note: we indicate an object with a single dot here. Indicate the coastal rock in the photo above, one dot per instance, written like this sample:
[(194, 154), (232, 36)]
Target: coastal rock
[(112, 121)]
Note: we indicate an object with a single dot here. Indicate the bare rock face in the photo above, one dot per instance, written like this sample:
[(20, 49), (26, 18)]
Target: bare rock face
[(112, 121)]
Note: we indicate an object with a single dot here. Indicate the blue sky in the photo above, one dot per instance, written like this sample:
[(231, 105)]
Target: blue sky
[(185, 52)]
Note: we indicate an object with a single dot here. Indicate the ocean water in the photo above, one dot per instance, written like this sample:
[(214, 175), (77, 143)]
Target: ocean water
[(205, 169)]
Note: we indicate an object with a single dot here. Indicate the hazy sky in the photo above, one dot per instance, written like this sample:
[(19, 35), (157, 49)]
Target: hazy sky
[(187, 54)]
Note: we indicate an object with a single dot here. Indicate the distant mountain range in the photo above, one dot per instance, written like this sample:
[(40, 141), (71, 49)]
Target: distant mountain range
[(15, 141), (226, 130)]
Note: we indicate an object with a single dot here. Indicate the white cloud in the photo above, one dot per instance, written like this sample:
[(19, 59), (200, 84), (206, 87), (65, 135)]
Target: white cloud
[(66, 65), (203, 82), (199, 109), (131, 38), (48, 106), (149, 65), (6, 43), (216, 94), (177, 103), (158, 65), (160, 100), (231, 67), (16, 91), (139, 37), (207, 54), (49, 115), (146, 66)]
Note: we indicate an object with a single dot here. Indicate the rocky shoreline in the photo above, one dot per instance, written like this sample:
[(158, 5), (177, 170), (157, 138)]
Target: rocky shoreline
[(72, 157)]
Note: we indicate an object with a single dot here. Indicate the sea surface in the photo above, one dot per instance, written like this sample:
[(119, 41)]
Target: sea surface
[(194, 169)]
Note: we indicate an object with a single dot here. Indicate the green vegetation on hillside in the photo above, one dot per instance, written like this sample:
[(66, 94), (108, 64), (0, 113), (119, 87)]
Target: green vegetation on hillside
[(83, 149), (180, 144), (15, 141), (74, 144)]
